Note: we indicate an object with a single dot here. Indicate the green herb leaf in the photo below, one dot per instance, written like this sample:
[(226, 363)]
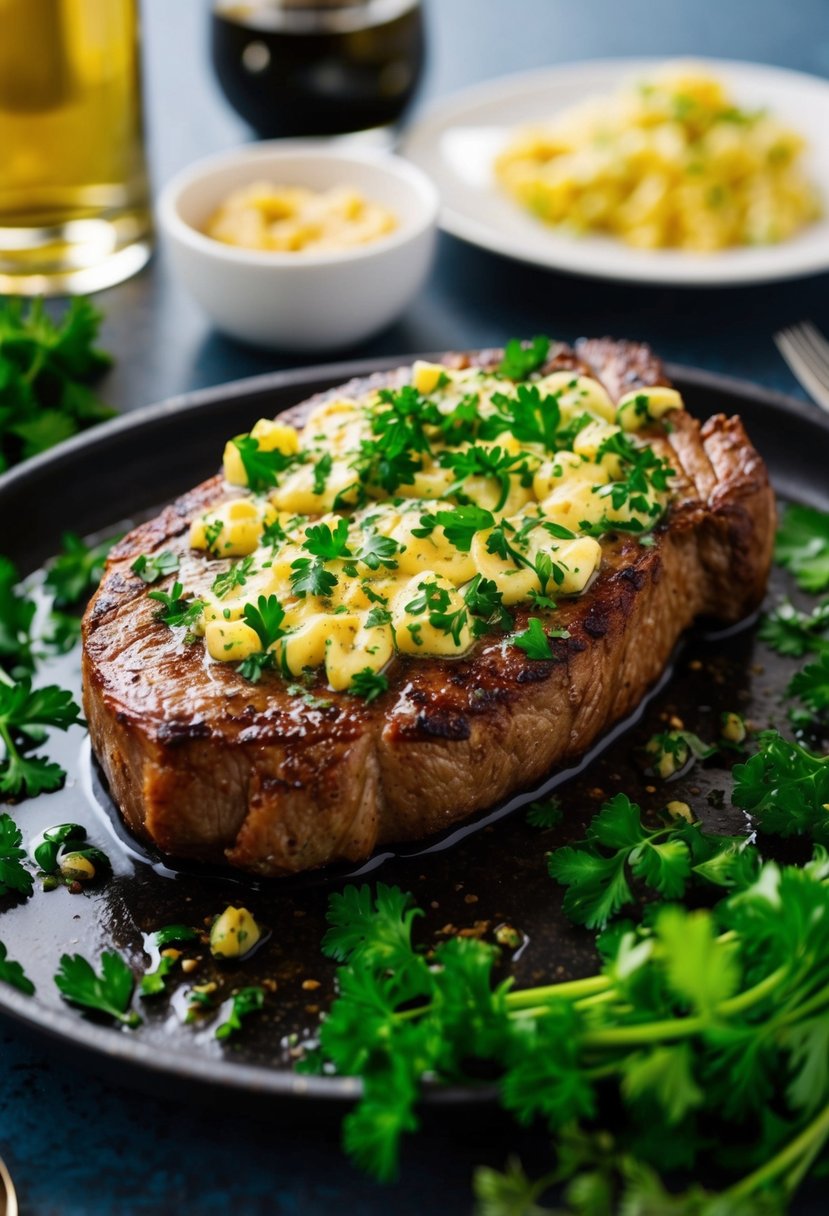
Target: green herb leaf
[(803, 546), (14, 877), (323, 543), (262, 468), (521, 359), (159, 565), (13, 973), (533, 640), (368, 684), (265, 618), (176, 610), (109, 993), (77, 570), (245, 1002), (24, 714)]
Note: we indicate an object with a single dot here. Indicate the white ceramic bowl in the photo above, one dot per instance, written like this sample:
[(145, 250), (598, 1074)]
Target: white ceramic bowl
[(300, 301)]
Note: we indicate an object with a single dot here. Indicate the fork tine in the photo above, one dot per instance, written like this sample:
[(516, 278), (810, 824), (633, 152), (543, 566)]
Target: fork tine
[(815, 340), (802, 367)]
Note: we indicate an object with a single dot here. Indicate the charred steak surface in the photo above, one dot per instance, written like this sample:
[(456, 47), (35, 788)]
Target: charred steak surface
[(205, 764)]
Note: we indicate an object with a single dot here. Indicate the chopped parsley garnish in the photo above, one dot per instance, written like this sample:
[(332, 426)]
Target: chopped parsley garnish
[(644, 475), (459, 524), (12, 973), (243, 1003), (109, 993), (522, 359), (533, 640), (369, 684), (322, 471), (485, 602), (176, 610), (377, 550), (323, 543), (434, 600), (252, 667), (236, 576), (159, 565), (15, 879), (25, 713), (398, 424), (77, 570), (528, 416), (17, 614), (803, 546), (496, 462), (311, 578), (262, 468), (212, 531)]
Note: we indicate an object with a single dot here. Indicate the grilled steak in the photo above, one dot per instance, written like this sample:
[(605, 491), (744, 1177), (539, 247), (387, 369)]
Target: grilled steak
[(205, 764)]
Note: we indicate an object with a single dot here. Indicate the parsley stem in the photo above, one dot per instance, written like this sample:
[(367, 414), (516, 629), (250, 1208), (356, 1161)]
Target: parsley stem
[(808, 1142), (647, 1032), (530, 997)]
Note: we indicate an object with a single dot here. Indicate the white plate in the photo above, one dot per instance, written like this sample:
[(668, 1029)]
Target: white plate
[(457, 140)]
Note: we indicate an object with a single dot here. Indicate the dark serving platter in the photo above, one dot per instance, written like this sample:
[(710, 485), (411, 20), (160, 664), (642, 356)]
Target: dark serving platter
[(476, 879)]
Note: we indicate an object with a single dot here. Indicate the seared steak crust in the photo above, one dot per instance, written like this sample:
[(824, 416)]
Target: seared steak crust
[(205, 764)]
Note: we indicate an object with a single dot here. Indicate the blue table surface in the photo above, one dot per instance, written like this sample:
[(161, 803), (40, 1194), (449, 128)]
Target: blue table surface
[(77, 1144)]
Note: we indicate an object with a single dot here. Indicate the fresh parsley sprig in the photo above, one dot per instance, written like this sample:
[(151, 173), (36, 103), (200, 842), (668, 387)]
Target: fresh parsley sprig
[(794, 633), (533, 640), (322, 542), (109, 993), (17, 614), (235, 576), (691, 1017), (46, 368), (803, 546), (77, 570), (785, 788), (12, 973), (618, 846), (15, 879), (459, 524), (25, 715)]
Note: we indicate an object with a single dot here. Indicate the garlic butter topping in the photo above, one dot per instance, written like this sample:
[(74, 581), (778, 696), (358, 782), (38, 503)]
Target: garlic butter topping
[(413, 519)]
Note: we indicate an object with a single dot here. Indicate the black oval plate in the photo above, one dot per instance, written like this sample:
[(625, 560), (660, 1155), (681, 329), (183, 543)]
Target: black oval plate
[(496, 877)]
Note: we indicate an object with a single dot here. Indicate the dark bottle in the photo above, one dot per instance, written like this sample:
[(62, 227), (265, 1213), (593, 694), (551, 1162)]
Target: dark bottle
[(295, 67)]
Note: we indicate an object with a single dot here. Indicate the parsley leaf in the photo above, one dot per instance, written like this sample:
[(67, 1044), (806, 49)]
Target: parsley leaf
[(265, 618), (311, 578), (244, 1002), (176, 610), (533, 640), (235, 576), (372, 930), (151, 568), (459, 524), (17, 614), (322, 542), (546, 813), (262, 468), (13, 973), (521, 359), (785, 787), (24, 714), (77, 570), (109, 993), (368, 684), (596, 871), (14, 877), (252, 667), (322, 471), (811, 684), (528, 416), (45, 371), (376, 551), (803, 546)]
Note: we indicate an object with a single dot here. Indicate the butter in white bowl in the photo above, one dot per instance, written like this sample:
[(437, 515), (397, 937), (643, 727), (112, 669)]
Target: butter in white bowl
[(311, 288)]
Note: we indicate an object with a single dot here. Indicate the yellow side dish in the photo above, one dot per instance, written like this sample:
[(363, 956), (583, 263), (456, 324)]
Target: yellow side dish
[(293, 219), (672, 163), (412, 520)]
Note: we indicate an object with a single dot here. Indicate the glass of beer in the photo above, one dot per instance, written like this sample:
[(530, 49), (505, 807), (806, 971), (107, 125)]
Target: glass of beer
[(74, 200)]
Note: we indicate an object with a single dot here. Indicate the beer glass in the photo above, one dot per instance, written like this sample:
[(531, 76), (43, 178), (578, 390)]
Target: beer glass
[(74, 206)]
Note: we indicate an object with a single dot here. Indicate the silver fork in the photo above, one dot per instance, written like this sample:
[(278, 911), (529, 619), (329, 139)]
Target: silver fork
[(806, 351)]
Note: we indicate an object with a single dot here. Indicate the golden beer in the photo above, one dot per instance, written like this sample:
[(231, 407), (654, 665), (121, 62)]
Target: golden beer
[(74, 205)]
